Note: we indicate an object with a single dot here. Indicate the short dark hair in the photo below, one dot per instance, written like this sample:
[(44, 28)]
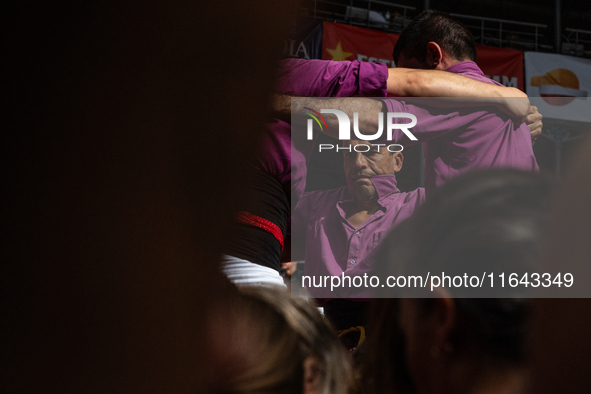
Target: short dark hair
[(451, 35)]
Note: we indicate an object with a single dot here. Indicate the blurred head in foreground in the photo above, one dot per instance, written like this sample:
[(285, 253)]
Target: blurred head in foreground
[(561, 344), (479, 222), (113, 228), (267, 342)]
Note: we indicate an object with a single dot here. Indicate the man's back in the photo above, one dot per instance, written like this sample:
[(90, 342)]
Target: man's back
[(458, 141)]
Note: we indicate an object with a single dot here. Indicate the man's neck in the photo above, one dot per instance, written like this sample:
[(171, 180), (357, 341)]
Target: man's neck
[(475, 378), (448, 62), (361, 210), (365, 205)]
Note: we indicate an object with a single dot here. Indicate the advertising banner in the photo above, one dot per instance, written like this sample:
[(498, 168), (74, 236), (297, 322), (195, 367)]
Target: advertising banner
[(559, 80), (305, 41), (343, 42), (501, 64)]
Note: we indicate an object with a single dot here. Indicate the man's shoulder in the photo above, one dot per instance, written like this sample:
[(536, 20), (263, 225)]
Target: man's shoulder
[(471, 70), (325, 194), (416, 196), (318, 199)]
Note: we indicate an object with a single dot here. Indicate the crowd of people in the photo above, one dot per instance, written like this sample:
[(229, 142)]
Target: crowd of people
[(484, 208), (447, 343), (125, 190)]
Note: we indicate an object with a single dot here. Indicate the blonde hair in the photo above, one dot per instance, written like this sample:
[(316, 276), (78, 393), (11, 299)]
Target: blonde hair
[(270, 337)]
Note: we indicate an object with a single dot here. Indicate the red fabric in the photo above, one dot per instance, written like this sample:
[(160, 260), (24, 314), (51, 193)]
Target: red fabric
[(357, 43), (249, 218), (501, 64)]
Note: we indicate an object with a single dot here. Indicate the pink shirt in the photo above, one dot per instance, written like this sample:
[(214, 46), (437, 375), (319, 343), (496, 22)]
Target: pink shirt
[(457, 141), (286, 159), (333, 246)]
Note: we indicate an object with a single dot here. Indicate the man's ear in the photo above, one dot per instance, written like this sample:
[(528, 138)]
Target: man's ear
[(444, 320), (434, 56), (398, 160), (312, 375), (429, 329)]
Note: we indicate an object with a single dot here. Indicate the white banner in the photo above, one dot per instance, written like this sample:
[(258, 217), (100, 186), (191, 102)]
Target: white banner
[(562, 82)]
